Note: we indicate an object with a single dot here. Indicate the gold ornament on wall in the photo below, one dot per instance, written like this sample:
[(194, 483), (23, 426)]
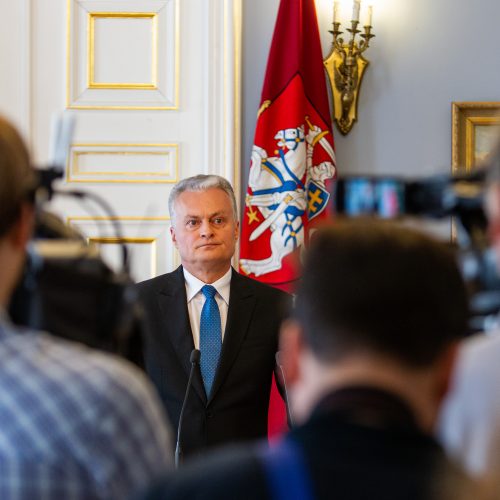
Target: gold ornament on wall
[(346, 65)]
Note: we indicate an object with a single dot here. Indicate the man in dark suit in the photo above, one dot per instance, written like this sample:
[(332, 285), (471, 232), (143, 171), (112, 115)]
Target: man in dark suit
[(367, 356), (206, 304)]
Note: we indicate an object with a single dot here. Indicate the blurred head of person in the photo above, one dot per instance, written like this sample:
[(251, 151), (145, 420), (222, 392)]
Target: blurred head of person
[(16, 208), (378, 305)]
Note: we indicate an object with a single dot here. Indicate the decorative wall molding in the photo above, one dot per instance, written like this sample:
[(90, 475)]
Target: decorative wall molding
[(147, 239), (123, 162), (122, 55), (105, 31)]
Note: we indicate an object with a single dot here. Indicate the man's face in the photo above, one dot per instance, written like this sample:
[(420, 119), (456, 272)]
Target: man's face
[(204, 231)]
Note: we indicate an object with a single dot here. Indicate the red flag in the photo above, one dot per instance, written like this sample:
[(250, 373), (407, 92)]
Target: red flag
[(293, 161)]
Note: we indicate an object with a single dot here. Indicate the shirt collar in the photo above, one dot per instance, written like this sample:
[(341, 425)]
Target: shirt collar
[(370, 405), (194, 285)]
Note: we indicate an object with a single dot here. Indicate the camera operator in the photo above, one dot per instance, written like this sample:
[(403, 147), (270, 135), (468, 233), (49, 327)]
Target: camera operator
[(75, 423), (470, 422)]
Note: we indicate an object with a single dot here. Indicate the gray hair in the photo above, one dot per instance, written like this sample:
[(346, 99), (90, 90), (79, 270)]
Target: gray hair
[(201, 182)]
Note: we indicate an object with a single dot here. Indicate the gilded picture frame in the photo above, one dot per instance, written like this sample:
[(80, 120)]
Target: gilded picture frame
[(475, 129)]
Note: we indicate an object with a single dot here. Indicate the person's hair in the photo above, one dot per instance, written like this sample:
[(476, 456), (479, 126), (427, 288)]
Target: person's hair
[(201, 183), (16, 175), (372, 286)]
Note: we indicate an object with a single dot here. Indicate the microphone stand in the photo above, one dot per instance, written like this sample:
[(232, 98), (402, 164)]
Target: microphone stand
[(195, 360), (285, 391)]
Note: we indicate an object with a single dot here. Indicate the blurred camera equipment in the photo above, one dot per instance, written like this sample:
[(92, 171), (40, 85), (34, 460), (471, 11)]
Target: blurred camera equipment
[(457, 197), (66, 288)]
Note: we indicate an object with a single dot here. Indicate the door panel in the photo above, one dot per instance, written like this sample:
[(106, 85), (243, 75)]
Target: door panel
[(154, 85)]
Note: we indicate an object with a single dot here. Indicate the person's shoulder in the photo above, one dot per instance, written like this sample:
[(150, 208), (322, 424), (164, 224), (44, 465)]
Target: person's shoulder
[(72, 371), (97, 374), (101, 364), (482, 343), (233, 472), (474, 387), (112, 388), (480, 353), (262, 288), (158, 282)]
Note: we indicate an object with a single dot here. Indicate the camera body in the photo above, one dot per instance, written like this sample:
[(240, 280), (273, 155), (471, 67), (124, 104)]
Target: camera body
[(68, 290), (391, 197), (459, 198)]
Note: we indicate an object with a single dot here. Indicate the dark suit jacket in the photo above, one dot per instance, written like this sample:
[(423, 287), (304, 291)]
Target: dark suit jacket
[(359, 444), (238, 405)]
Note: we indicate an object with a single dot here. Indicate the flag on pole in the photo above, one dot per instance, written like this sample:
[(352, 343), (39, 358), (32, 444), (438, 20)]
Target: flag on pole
[(292, 164)]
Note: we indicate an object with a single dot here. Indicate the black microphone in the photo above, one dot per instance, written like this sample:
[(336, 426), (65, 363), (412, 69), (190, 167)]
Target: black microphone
[(194, 360), (287, 405)]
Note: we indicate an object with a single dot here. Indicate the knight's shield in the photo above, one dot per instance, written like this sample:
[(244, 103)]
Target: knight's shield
[(317, 198)]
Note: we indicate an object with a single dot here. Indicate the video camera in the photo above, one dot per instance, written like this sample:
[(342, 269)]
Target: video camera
[(66, 288), (460, 198)]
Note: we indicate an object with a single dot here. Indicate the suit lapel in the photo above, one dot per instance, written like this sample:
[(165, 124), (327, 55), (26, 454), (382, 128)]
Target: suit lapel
[(241, 306), (173, 305)]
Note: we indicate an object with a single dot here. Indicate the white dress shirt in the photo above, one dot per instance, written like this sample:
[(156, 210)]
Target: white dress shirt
[(196, 300)]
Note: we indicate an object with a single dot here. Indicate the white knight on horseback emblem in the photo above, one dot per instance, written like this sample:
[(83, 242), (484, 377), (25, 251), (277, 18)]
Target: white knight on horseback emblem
[(284, 189)]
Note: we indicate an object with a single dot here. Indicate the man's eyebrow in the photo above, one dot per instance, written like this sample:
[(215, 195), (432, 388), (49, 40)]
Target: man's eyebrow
[(214, 214)]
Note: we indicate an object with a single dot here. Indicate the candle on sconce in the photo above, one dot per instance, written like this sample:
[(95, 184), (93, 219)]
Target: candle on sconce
[(369, 15), (336, 8), (355, 10), (345, 64)]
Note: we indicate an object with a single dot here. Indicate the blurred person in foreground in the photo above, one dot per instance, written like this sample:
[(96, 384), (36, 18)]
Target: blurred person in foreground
[(75, 423), (469, 425), (367, 358)]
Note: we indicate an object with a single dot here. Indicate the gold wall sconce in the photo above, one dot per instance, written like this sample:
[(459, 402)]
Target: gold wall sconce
[(346, 65)]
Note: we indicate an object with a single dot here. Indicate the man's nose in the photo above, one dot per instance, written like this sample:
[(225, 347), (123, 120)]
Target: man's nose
[(206, 229)]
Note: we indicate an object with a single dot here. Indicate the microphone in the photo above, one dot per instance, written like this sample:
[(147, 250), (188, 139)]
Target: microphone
[(194, 360), (287, 405)]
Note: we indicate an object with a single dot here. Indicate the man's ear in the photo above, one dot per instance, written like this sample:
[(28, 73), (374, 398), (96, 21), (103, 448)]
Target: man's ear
[(22, 230), (237, 230), (445, 370), (494, 230), (172, 234), (291, 347)]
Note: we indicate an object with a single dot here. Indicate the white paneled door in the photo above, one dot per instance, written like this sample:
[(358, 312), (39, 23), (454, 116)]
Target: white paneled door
[(154, 86)]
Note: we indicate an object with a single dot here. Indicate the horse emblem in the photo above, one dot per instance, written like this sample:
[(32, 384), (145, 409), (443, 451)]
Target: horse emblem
[(284, 189)]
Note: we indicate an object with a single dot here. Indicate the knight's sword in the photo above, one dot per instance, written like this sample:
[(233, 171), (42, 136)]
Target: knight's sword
[(276, 213)]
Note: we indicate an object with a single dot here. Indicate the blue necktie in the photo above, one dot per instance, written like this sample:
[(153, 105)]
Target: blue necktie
[(210, 337)]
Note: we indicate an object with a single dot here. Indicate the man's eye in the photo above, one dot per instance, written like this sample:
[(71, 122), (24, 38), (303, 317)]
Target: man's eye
[(218, 220), (192, 223)]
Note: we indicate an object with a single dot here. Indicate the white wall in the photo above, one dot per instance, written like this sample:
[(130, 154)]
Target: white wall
[(426, 54), (15, 40)]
